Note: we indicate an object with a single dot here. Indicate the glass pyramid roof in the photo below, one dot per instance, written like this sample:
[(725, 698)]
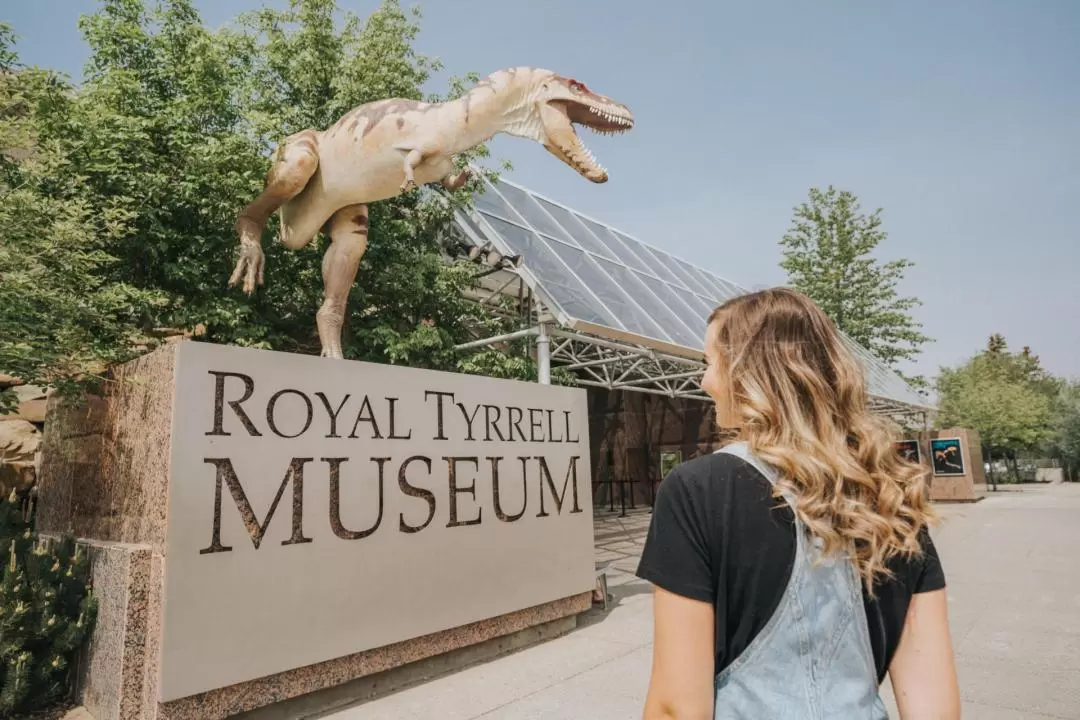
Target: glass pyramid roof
[(597, 279)]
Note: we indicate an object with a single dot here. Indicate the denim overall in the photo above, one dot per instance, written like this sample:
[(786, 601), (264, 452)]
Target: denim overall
[(812, 660)]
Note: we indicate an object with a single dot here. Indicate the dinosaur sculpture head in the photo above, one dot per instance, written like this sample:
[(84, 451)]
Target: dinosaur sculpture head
[(562, 103)]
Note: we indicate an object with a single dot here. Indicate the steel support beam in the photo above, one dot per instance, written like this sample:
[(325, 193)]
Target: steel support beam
[(498, 339), (622, 347), (543, 355)]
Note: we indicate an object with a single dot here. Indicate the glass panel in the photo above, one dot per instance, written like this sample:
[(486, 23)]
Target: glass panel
[(646, 308), (620, 251), (464, 218), (702, 308), (726, 292), (610, 293), (533, 214), (562, 286), (712, 302), (654, 266), (723, 289), (679, 330), (575, 227), (734, 288), (489, 201), (690, 281)]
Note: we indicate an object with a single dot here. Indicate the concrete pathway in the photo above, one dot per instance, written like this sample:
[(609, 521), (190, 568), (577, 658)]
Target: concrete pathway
[(1011, 562)]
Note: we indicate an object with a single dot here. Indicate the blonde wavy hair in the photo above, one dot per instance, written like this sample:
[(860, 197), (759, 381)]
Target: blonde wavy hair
[(799, 400)]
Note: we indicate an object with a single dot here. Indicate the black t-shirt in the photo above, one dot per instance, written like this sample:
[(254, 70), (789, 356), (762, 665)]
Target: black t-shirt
[(717, 535)]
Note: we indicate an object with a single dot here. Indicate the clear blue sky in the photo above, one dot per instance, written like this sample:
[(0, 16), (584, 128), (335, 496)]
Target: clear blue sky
[(960, 119)]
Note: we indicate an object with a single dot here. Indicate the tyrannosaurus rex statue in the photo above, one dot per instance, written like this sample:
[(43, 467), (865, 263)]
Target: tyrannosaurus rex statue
[(325, 180)]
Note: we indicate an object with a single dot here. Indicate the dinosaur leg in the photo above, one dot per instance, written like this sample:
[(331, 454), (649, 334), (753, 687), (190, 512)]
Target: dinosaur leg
[(294, 164), (348, 230), (455, 182)]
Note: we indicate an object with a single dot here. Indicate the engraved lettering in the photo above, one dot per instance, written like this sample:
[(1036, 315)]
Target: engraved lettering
[(272, 405), (492, 425), (515, 423), (455, 490), (439, 416), (332, 413), (499, 512), (546, 475), (369, 419), (534, 424), (468, 419), (226, 475), (393, 431), (551, 427), (219, 403), (566, 413), (335, 500), (413, 491)]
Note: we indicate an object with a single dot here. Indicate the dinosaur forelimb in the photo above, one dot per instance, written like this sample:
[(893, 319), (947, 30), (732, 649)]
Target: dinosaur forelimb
[(251, 262), (456, 182), (413, 158), (294, 164)]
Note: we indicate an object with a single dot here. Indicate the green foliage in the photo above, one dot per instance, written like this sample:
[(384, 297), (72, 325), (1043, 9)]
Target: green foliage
[(122, 220), (1065, 445), (46, 613), (1007, 397), (827, 255), (61, 315)]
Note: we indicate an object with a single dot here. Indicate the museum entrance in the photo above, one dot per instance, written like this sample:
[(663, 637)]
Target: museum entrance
[(592, 306), (636, 439)]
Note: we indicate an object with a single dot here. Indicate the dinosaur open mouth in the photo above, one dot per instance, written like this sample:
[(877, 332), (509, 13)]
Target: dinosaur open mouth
[(604, 119)]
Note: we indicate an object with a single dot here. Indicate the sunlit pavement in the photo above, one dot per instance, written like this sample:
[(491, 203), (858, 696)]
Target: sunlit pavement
[(1014, 588)]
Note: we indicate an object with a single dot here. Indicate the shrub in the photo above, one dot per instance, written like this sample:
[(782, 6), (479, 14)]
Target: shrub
[(46, 612)]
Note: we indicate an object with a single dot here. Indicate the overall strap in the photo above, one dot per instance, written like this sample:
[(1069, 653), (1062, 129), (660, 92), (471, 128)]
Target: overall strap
[(742, 451)]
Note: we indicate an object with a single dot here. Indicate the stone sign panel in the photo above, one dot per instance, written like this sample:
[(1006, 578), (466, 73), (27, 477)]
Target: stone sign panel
[(319, 508)]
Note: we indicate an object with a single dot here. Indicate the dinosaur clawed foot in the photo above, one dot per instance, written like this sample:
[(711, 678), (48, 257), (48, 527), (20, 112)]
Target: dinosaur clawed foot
[(408, 185), (456, 182), (249, 267)]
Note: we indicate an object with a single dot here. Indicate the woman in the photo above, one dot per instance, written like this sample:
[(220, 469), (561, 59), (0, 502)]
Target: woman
[(793, 568)]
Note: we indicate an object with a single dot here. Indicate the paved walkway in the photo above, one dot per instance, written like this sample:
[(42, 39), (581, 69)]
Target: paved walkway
[(1014, 589)]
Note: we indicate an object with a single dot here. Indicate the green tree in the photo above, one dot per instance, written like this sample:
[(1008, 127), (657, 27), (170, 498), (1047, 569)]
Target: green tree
[(1008, 398), (827, 254), (171, 134), (61, 318), (1065, 445)]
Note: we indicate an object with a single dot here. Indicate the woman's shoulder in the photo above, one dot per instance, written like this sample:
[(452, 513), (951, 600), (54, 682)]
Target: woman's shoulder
[(716, 468), (920, 572), (717, 476)]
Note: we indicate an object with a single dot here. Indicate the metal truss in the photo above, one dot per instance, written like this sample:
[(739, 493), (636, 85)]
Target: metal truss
[(504, 288), (601, 363), (622, 366)]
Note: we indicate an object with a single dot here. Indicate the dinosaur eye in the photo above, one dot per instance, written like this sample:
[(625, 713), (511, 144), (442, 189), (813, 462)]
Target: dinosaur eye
[(575, 87)]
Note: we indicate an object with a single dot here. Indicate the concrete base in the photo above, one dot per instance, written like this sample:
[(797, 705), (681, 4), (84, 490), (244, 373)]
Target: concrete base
[(230, 701), (381, 684), (118, 678), (106, 480)]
